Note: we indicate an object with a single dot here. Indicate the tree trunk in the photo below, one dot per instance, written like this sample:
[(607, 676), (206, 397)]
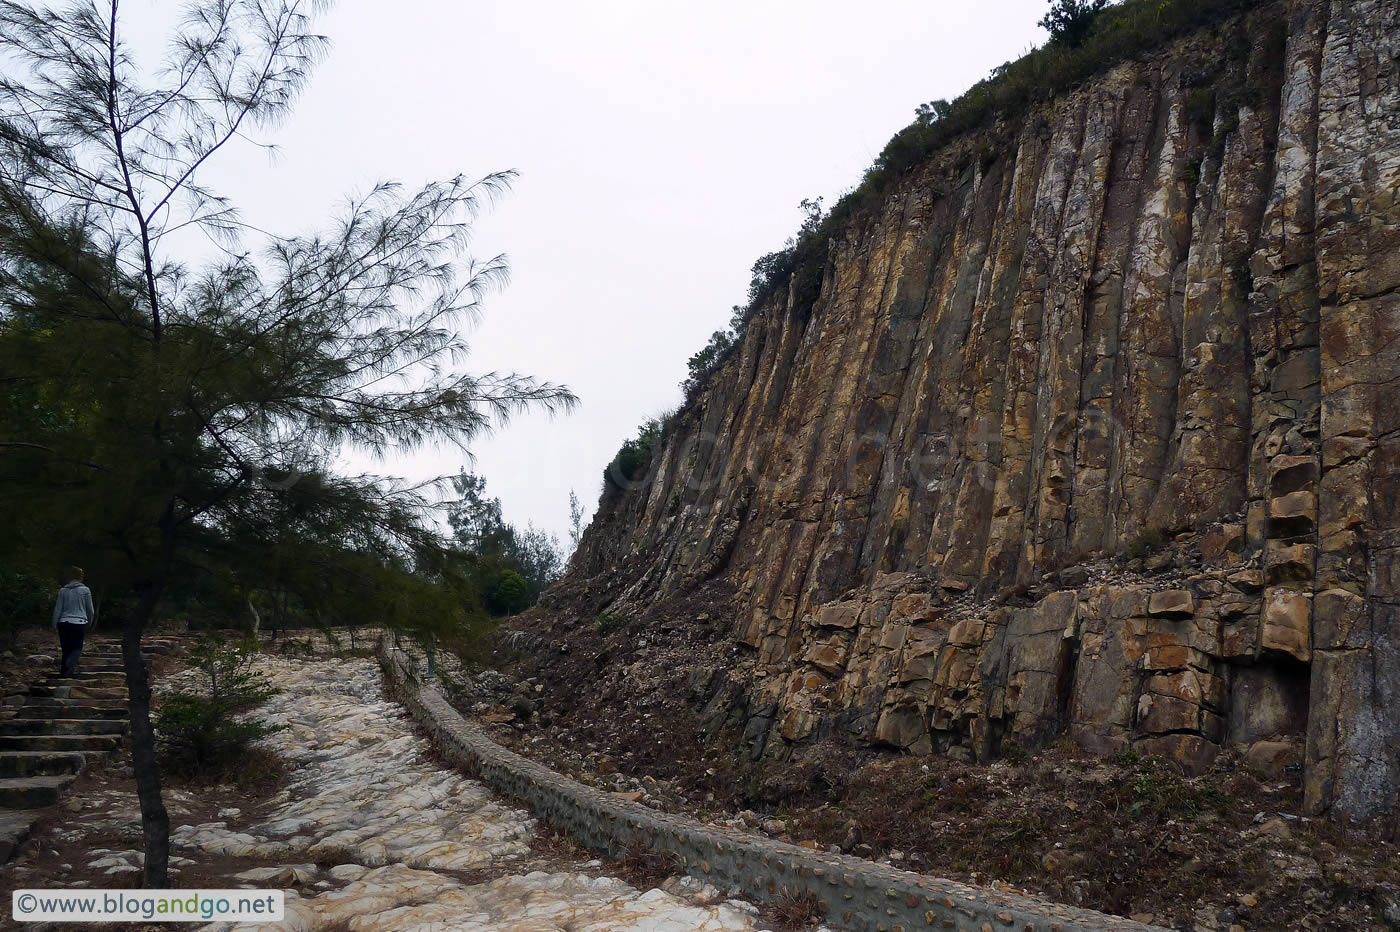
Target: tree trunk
[(155, 821)]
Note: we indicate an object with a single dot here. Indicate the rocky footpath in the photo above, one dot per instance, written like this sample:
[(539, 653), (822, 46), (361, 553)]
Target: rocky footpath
[(368, 832), (1162, 305), (372, 834)]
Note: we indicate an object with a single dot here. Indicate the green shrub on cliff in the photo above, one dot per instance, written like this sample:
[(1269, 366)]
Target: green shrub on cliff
[(1096, 41), (633, 457), (771, 272), (713, 354)]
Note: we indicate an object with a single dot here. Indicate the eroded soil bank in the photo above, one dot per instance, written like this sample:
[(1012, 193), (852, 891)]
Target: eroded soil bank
[(618, 704)]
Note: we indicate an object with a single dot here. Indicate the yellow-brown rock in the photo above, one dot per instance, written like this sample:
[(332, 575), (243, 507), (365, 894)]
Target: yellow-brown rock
[(1173, 603), (1287, 622), (1161, 302)]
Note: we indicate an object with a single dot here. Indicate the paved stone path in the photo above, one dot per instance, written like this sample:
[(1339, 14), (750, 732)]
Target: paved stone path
[(366, 797)]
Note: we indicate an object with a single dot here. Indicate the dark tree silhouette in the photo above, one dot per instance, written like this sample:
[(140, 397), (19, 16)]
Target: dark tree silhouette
[(196, 399)]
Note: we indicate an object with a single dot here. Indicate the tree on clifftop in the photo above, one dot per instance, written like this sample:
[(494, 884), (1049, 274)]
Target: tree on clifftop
[(186, 406), (1070, 21)]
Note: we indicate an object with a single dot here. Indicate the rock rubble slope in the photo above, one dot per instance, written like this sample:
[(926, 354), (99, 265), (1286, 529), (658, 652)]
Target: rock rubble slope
[(1165, 304)]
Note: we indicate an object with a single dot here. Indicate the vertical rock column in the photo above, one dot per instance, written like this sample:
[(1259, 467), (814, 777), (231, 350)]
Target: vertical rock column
[(1059, 389), (1205, 478), (1021, 433), (1353, 747), (1092, 524), (1148, 370), (1282, 515), (983, 391)]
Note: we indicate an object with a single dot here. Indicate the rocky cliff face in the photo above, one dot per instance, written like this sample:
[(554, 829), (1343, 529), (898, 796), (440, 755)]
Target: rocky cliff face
[(1163, 306)]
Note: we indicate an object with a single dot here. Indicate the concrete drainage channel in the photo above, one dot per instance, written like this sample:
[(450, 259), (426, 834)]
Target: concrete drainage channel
[(856, 894), (53, 729)]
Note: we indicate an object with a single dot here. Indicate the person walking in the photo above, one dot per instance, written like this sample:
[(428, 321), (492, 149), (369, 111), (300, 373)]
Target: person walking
[(72, 613)]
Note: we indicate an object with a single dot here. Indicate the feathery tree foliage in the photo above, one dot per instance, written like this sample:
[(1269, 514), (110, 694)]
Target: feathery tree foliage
[(181, 415)]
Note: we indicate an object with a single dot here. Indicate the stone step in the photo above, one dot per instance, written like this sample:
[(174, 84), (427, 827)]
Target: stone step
[(117, 658), (111, 683), (37, 763), (72, 711), (32, 792), (14, 828), (114, 649), (59, 743), (86, 678), (96, 692), (61, 726), (72, 702), (74, 692)]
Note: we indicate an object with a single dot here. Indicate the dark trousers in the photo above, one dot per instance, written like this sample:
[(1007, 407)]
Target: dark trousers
[(70, 640)]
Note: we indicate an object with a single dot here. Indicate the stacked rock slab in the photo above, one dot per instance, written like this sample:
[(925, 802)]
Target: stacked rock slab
[(1167, 302)]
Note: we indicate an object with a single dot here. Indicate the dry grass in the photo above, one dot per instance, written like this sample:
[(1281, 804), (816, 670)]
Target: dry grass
[(644, 868), (792, 912)]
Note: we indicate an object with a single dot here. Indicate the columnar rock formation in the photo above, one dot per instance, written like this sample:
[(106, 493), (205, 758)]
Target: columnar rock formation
[(1163, 304)]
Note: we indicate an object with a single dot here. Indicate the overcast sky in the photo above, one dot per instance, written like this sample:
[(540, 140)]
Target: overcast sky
[(662, 147)]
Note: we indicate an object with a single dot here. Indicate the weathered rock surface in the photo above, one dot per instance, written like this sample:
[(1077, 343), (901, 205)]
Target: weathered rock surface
[(362, 789), (1168, 303), (367, 797), (396, 898)]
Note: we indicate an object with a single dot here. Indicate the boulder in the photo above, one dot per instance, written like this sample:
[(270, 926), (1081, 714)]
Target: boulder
[(1286, 624), (1192, 753), (1221, 545), (1270, 758), (1173, 603), (1293, 514)]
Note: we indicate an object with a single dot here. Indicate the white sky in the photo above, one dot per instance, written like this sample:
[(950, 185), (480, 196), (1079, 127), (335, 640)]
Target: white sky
[(662, 148)]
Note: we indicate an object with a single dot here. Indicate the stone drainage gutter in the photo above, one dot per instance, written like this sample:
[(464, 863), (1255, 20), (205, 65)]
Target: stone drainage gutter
[(856, 894)]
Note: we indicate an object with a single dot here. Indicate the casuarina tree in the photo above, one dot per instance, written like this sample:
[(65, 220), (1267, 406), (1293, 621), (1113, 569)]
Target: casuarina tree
[(188, 403)]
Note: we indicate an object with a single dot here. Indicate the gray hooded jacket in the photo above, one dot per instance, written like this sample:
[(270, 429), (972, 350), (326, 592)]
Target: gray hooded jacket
[(73, 605)]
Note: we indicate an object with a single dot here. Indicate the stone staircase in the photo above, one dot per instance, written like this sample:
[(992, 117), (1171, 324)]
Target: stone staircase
[(55, 728)]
